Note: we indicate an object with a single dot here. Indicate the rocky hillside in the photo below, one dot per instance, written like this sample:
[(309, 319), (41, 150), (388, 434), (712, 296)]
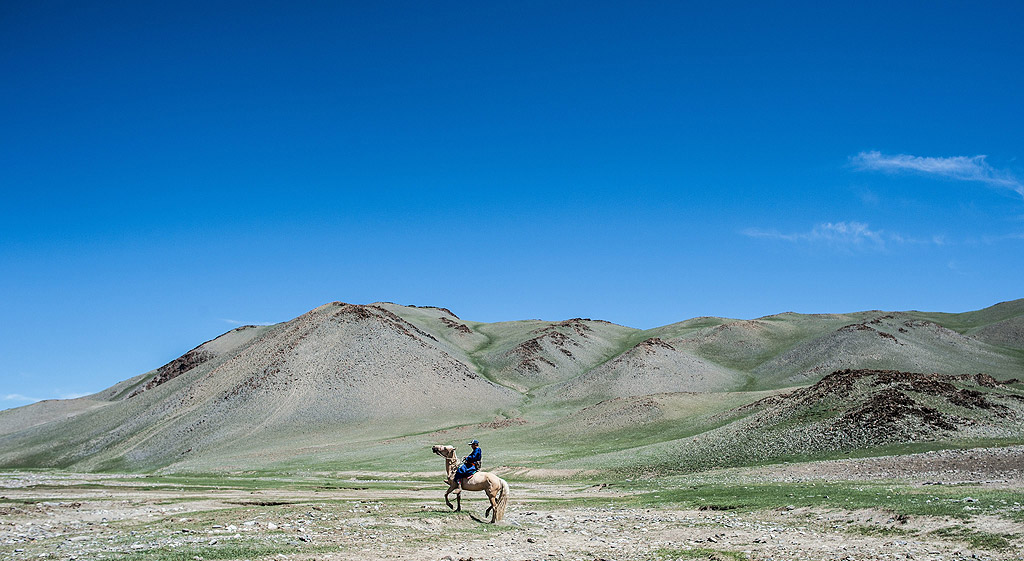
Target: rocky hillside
[(345, 377), (853, 411)]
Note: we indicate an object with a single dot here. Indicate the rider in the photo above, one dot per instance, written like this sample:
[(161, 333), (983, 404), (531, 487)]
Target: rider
[(470, 464)]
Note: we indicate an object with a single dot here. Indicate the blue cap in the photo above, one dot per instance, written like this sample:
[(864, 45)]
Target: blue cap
[(475, 441)]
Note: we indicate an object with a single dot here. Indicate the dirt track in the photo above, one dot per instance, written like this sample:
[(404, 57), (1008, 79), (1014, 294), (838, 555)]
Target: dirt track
[(64, 516)]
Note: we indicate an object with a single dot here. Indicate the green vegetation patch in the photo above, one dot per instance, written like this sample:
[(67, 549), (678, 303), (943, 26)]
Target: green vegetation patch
[(901, 500), (260, 481), (877, 530), (701, 553), (227, 551), (978, 539)]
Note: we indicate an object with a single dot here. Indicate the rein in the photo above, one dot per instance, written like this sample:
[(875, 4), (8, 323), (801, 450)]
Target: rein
[(451, 464)]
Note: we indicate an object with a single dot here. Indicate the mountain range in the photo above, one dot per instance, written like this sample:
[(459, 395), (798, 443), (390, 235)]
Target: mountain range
[(370, 387)]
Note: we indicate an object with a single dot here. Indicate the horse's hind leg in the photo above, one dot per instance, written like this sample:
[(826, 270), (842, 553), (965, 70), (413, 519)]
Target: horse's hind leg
[(493, 509)]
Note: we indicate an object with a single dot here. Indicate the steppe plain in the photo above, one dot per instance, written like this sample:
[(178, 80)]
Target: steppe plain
[(872, 435), (950, 504)]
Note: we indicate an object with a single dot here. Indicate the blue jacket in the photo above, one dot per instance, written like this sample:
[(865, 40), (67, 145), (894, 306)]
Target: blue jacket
[(474, 458)]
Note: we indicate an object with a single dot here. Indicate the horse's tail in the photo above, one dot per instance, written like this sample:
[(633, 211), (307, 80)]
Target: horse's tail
[(501, 501)]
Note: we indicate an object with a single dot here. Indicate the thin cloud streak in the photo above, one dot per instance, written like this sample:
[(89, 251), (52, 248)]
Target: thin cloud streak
[(28, 399), (239, 323), (961, 168), (857, 234), (845, 234), (19, 397), (1004, 237)]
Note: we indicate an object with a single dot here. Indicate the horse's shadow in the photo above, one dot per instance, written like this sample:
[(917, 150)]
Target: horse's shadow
[(450, 511)]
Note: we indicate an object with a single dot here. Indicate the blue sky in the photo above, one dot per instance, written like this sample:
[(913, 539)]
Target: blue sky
[(170, 171)]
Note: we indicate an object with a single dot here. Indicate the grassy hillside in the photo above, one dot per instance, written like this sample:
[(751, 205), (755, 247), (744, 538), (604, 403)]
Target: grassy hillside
[(371, 387)]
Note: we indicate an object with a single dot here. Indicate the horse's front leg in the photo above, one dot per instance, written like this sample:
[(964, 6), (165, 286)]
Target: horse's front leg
[(446, 501)]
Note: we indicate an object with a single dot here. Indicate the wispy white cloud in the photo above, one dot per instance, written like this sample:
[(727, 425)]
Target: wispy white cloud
[(955, 267), (855, 234), (845, 234), (869, 198), (961, 168), (19, 397), (1004, 237), (236, 322), (29, 399)]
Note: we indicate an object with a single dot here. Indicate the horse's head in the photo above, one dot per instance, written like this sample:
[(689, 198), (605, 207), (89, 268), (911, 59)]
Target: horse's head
[(444, 451), (451, 461)]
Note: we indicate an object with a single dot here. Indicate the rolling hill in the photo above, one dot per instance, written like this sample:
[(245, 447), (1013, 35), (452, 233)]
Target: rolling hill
[(368, 386)]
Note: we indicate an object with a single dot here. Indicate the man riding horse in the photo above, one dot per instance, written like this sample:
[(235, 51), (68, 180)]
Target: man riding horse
[(470, 464), (459, 480)]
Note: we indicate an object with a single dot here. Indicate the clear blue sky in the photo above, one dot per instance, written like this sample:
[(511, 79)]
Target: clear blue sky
[(171, 170)]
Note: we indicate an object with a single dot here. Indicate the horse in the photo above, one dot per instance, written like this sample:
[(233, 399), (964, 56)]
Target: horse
[(495, 487)]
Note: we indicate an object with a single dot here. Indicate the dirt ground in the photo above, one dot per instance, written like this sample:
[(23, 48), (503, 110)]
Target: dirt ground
[(86, 516)]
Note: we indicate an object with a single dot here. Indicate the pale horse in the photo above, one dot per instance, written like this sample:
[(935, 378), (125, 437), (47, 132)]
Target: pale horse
[(495, 487)]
